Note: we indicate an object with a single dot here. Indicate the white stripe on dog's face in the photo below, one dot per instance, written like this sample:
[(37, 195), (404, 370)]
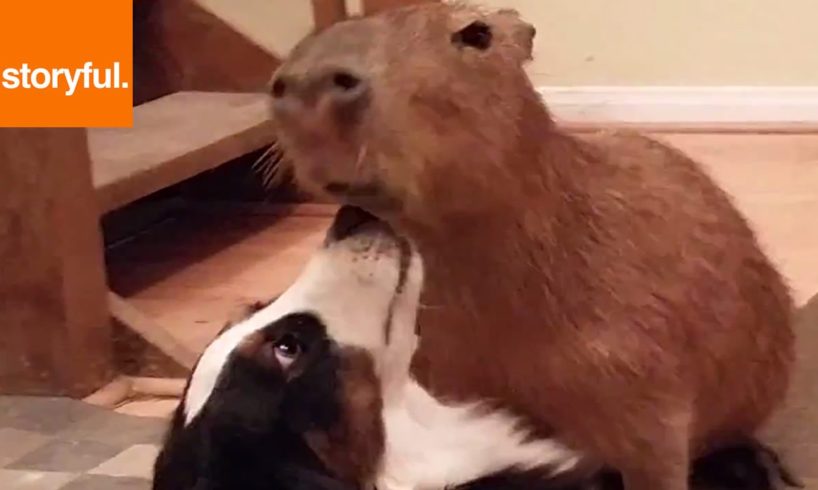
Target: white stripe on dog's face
[(354, 286)]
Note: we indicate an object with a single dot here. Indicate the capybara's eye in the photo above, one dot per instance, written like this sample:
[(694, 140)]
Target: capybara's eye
[(287, 349), (475, 35), (345, 81)]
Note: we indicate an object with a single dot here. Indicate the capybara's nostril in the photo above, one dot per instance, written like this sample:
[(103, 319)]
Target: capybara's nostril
[(315, 94), (286, 96), (279, 88)]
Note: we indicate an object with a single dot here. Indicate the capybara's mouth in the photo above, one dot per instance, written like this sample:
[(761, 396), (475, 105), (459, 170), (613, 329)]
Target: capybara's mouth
[(371, 196), (338, 173), (343, 189)]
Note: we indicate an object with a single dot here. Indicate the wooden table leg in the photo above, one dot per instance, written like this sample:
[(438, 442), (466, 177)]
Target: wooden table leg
[(328, 12), (55, 335)]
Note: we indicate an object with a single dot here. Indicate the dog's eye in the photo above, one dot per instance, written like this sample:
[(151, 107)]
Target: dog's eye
[(287, 349), (475, 35)]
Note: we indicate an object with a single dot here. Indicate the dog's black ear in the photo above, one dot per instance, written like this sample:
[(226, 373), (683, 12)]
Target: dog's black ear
[(177, 464)]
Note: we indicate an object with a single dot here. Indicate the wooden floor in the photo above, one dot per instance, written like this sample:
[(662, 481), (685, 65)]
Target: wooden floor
[(191, 273), (774, 180)]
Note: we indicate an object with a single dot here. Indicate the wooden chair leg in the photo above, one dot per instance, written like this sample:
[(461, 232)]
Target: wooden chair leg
[(328, 12), (56, 335)]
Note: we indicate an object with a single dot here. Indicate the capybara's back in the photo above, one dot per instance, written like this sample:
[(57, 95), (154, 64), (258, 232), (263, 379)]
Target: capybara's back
[(697, 268)]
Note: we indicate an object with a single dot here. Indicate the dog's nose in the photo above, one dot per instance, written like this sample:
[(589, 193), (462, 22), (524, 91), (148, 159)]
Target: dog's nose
[(342, 92), (349, 221)]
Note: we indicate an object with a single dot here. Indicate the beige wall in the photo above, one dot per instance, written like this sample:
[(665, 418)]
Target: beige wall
[(618, 42), (275, 25), (673, 42)]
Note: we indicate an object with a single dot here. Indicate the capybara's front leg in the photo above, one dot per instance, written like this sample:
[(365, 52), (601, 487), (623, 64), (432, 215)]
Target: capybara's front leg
[(665, 466), (644, 435), (650, 479)]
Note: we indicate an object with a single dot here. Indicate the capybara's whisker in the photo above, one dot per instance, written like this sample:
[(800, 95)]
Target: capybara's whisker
[(270, 165)]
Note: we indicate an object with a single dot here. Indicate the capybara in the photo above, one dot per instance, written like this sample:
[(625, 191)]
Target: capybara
[(601, 285)]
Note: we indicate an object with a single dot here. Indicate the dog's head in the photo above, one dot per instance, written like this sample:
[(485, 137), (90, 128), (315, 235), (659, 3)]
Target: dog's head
[(291, 396)]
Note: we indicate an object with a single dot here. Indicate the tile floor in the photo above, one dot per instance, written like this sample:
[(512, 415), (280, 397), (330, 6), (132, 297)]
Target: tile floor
[(61, 444)]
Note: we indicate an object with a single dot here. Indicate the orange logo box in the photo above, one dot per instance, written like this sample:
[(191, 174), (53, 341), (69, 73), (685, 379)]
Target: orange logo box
[(66, 63)]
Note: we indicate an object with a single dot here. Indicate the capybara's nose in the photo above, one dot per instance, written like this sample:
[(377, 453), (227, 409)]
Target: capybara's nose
[(343, 90)]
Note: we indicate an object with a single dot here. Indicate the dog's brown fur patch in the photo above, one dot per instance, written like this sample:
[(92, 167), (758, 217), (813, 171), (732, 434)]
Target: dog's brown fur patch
[(353, 447)]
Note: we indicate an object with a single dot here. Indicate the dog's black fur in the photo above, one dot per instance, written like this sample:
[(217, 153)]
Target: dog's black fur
[(249, 434), (749, 465)]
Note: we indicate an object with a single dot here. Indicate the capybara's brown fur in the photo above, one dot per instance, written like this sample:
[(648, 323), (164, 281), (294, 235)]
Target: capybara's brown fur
[(603, 286)]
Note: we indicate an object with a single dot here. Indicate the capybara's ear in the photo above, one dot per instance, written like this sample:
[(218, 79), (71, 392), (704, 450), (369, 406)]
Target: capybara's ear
[(517, 34)]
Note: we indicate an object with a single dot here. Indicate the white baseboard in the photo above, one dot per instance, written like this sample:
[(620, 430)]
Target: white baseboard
[(694, 105)]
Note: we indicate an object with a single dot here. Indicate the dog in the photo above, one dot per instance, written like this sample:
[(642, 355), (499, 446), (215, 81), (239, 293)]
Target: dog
[(313, 391)]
